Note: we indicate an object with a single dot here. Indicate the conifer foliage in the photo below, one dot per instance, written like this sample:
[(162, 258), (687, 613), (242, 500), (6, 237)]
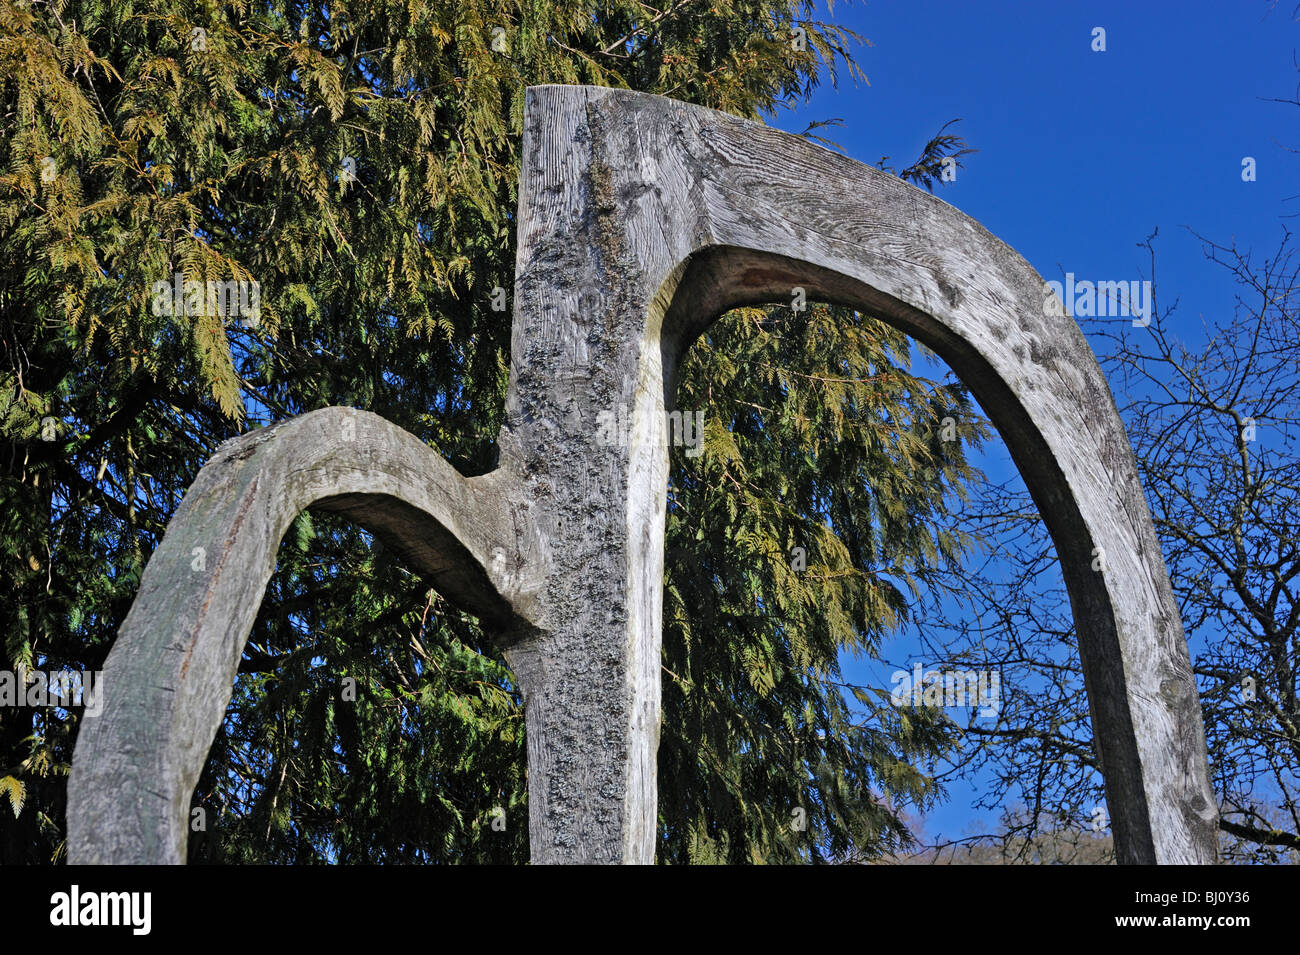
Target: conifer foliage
[(214, 216)]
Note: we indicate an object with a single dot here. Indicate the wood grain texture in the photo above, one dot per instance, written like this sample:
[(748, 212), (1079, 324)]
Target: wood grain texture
[(169, 677), (732, 213), (640, 221)]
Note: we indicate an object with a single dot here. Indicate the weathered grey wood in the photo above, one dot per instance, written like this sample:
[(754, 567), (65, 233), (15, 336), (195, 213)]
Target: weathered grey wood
[(641, 220), (170, 674)]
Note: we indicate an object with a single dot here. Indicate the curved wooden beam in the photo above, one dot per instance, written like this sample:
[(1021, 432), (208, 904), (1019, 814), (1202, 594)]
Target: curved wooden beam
[(640, 221), (171, 672)]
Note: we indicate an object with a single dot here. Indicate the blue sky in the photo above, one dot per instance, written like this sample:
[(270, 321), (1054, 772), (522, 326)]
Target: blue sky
[(1083, 154)]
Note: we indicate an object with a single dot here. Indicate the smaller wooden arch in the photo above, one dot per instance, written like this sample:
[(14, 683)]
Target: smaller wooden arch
[(170, 675)]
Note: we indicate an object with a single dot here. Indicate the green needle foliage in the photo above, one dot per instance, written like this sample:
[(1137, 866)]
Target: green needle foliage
[(813, 516), (359, 162)]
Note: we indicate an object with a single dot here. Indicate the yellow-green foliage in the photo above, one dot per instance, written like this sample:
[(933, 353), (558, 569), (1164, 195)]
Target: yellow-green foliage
[(359, 161)]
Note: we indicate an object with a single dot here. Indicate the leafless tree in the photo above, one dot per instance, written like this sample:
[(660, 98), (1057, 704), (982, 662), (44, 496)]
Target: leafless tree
[(1214, 427)]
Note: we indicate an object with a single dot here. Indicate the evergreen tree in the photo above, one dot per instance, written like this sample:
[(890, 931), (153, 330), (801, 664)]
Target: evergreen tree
[(356, 166)]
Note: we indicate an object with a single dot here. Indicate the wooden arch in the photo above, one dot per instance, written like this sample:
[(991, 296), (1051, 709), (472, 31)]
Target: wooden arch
[(641, 220)]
